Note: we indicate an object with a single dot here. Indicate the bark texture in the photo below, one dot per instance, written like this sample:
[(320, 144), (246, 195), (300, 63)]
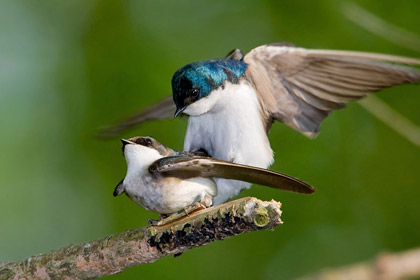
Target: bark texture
[(117, 252), (386, 266)]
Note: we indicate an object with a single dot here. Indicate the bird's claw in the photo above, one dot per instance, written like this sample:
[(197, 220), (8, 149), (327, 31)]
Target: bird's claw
[(176, 216), (152, 222), (195, 207)]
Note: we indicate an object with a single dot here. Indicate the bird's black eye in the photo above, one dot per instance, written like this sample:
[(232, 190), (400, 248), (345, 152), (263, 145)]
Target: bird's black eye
[(195, 92), (144, 141), (148, 142)]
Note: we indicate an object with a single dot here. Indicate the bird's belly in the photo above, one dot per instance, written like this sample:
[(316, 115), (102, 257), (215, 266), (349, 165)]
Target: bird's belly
[(232, 131), (227, 140), (224, 140), (170, 195)]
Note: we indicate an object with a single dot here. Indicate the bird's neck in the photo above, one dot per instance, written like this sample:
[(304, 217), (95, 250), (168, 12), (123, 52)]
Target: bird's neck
[(139, 158)]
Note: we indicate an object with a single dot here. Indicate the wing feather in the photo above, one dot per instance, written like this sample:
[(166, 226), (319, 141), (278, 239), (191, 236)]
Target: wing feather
[(300, 87), (165, 109), (188, 167)]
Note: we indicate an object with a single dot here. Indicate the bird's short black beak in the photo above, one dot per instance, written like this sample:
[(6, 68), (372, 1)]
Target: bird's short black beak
[(179, 111), (124, 142)]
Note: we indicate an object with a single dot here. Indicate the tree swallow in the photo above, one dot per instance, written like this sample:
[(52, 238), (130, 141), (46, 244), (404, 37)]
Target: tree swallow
[(166, 181), (231, 103)]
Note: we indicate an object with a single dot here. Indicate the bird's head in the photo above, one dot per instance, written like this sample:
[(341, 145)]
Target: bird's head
[(195, 82)]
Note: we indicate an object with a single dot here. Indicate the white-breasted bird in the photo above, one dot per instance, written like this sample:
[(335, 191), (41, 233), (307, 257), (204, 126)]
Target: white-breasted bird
[(232, 102), (166, 181)]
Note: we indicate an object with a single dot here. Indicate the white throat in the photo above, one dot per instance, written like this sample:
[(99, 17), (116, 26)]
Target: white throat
[(138, 159), (205, 104)]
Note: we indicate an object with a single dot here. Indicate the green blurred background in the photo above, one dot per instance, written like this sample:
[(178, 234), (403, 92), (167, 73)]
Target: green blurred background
[(69, 67)]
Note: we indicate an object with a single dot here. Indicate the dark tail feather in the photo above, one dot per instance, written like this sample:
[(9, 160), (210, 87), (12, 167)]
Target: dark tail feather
[(119, 189)]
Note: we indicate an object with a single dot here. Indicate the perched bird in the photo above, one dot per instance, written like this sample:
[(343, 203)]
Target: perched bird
[(231, 103), (165, 181)]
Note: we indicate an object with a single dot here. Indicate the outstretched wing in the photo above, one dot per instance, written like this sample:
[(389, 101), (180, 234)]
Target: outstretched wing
[(165, 109), (188, 167), (300, 87)]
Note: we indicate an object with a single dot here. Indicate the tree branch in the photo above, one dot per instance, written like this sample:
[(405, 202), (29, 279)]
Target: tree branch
[(386, 266), (117, 252)]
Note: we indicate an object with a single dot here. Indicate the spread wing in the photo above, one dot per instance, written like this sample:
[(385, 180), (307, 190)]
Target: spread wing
[(300, 87), (188, 167), (165, 109)]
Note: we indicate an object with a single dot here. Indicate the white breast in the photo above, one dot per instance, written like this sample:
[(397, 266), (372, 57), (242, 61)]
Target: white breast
[(168, 195), (158, 193), (228, 125)]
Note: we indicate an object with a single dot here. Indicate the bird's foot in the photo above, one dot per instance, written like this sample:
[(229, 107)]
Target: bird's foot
[(195, 207), (176, 216), (152, 222), (155, 222)]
